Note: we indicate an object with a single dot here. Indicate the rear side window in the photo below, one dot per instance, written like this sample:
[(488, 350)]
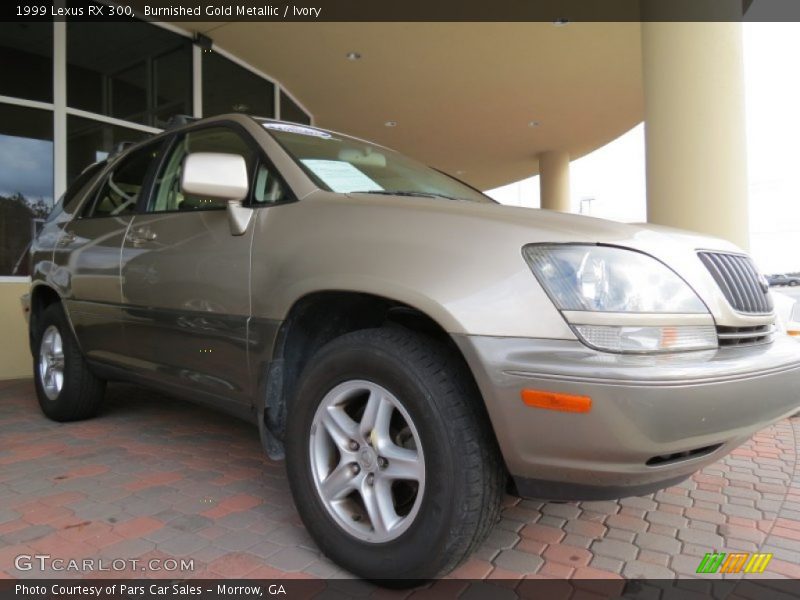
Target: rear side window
[(120, 190), (75, 190)]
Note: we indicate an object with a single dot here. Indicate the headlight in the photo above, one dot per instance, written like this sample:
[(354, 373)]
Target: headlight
[(656, 310)]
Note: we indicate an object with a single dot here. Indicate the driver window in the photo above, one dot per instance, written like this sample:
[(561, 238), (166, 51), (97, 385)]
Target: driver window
[(168, 196), (120, 191)]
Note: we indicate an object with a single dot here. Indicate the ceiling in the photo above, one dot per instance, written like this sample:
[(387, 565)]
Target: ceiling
[(462, 94)]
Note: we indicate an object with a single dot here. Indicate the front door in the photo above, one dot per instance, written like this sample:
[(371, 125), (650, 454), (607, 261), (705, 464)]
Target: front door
[(186, 280)]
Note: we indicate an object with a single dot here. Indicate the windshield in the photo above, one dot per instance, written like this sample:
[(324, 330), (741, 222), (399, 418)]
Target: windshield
[(342, 164)]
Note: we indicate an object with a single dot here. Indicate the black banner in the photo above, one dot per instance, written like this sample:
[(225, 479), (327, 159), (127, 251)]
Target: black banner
[(291, 589), (555, 11)]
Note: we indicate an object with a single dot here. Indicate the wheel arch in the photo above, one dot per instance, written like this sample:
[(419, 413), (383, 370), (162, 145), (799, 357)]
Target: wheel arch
[(316, 319), (42, 296)]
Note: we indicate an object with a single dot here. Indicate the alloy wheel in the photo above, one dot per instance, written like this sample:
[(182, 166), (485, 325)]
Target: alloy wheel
[(51, 362), (367, 461)]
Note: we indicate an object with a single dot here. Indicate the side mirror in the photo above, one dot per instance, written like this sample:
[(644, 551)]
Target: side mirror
[(222, 176)]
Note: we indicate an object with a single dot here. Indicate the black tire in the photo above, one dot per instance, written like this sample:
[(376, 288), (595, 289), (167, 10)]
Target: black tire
[(792, 283), (81, 391), (465, 476)]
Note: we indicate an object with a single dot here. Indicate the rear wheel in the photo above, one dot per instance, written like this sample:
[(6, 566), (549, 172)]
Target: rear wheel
[(391, 460), (65, 387)]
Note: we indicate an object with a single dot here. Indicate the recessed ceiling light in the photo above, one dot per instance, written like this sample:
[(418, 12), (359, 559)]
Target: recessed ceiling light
[(534, 124), (391, 123), (561, 21), (353, 56)]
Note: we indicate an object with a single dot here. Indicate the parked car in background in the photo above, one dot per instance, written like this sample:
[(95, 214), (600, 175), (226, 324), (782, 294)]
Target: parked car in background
[(782, 279), (413, 348)]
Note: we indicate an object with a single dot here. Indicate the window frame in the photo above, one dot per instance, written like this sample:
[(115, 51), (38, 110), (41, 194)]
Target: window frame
[(261, 158), (92, 196), (73, 199)]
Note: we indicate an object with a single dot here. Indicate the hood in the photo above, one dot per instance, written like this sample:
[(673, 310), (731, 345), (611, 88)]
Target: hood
[(539, 225), (506, 229)]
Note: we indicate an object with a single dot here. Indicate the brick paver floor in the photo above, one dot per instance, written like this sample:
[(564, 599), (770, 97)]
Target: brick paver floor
[(156, 477)]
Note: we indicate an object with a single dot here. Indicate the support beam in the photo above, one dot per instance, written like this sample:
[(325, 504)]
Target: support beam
[(554, 180), (693, 79)]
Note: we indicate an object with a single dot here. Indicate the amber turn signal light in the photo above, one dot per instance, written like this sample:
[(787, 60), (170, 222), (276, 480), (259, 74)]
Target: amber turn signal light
[(555, 401)]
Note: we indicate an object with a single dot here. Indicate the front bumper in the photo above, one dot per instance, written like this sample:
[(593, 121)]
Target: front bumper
[(645, 409)]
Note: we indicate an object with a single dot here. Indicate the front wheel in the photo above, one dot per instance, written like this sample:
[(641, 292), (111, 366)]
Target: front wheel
[(391, 460)]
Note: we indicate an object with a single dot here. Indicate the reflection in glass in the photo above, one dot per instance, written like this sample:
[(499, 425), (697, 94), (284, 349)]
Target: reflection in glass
[(26, 60), (227, 88), (26, 182), (90, 141), (291, 112), (133, 71)]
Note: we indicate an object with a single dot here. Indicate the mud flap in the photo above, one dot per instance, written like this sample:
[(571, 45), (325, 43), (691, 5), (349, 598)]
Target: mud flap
[(272, 415)]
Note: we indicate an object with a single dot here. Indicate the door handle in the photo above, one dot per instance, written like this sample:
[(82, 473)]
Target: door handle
[(142, 234)]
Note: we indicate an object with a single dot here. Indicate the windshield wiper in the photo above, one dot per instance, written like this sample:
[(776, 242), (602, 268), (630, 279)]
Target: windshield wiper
[(406, 193)]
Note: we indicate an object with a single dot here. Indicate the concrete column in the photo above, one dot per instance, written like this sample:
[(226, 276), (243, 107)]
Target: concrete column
[(554, 180), (693, 80)]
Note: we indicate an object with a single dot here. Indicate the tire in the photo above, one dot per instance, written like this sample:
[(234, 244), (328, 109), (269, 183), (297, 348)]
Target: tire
[(70, 392), (792, 283), (436, 414)]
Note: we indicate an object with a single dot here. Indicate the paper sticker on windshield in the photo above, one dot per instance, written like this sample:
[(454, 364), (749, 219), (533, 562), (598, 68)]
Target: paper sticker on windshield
[(341, 177), (297, 129)]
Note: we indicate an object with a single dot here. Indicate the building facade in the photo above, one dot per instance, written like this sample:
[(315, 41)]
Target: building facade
[(71, 92)]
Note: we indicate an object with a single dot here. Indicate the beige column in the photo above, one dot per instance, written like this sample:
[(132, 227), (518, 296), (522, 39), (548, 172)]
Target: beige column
[(554, 180), (695, 127)]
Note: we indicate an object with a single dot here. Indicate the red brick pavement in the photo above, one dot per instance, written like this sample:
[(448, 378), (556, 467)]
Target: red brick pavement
[(155, 477)]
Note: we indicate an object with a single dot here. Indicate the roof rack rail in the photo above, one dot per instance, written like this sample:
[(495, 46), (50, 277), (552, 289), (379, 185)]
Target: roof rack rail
[(176, 121)]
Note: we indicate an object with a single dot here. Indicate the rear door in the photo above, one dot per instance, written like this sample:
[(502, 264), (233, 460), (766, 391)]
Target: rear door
[(87, 254), (186, 279)]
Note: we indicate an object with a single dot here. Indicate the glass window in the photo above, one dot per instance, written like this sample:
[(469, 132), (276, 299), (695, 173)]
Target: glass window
[(342, 164), (26, 60), (91, 141), (227, 87), (72, 195), (168, 195), (129, 70), (26, 182), (120, 191), (291, 112), (267, 187)]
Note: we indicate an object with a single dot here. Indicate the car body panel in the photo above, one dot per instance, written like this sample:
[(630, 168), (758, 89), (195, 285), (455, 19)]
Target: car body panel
[(86, 275), (642, 407), (180, 302), (186, 297), (460, 262)]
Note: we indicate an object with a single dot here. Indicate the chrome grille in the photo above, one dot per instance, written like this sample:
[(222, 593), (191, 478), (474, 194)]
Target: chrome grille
[(739, 280), (745, 336)]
